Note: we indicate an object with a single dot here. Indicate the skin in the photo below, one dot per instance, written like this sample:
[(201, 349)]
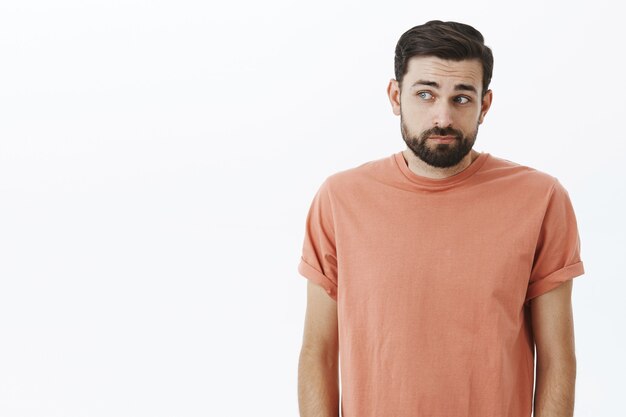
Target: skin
[(553, 330), (318, 366), (428, 109)]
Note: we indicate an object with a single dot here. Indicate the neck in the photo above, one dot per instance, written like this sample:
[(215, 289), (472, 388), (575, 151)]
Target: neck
[(421, 168)]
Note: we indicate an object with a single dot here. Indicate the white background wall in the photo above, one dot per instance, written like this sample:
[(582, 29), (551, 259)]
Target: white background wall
[(157, 160)]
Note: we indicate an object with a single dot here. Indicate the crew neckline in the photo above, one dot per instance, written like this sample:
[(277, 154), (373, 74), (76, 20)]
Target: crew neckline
[(439, 183)]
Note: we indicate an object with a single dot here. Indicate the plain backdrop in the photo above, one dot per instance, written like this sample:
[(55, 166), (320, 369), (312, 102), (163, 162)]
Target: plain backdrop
[(158, 158)]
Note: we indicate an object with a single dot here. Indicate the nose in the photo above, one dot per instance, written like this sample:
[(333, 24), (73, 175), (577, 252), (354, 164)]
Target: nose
[(442, 116)]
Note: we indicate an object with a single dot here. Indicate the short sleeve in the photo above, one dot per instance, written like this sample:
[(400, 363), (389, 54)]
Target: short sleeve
[(318, 262), (557, 254)]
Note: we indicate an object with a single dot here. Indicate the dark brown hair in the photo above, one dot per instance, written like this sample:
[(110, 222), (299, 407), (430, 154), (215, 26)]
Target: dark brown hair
[(445, 40)]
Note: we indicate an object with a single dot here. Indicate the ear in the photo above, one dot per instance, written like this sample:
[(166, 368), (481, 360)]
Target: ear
[(393, 92), (486, 104)]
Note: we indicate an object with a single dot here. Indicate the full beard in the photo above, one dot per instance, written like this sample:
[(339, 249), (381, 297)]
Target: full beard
[(443, 155)]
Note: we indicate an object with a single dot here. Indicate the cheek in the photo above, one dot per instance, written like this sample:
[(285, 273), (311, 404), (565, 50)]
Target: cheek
[(469, 117), (476, 113), (414, 115), (414, 125)]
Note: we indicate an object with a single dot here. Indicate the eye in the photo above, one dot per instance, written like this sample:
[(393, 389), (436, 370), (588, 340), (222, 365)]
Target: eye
[(467, 100), (422, 94)]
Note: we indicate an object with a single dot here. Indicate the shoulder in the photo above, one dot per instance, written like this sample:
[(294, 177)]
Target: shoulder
[(353, 177), (518, 176)]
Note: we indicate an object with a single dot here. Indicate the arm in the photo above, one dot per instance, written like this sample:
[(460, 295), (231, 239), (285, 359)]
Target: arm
[(318, 376), (553, 329)]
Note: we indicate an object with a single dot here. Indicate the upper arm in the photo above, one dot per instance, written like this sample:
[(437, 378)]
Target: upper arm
[(553, 324), (321, 324)]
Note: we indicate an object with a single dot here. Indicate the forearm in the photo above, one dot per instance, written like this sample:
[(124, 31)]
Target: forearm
[(555, 387), (318, 385)]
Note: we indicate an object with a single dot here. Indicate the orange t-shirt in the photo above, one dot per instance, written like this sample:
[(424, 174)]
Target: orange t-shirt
[(432, 279)]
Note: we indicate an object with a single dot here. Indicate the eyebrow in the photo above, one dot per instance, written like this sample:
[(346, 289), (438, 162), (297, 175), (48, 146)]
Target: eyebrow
[(458, 87)]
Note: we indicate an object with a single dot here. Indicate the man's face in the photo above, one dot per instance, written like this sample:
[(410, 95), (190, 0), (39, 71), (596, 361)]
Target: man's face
[(440, 98)]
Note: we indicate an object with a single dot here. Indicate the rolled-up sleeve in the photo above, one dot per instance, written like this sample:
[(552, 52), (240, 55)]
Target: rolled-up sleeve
[(557, 255), (318, 261)]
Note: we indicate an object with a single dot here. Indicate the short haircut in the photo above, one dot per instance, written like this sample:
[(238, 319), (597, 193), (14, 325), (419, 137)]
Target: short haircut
[(446, 40)]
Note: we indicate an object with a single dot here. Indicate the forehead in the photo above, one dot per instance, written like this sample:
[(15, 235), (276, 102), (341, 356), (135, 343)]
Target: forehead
[(443, 71)]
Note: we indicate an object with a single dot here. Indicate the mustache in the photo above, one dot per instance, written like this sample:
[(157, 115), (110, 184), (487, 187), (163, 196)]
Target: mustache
[(438, 131)]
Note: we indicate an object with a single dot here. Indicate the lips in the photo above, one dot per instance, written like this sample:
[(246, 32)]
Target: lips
[(443, 139)]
